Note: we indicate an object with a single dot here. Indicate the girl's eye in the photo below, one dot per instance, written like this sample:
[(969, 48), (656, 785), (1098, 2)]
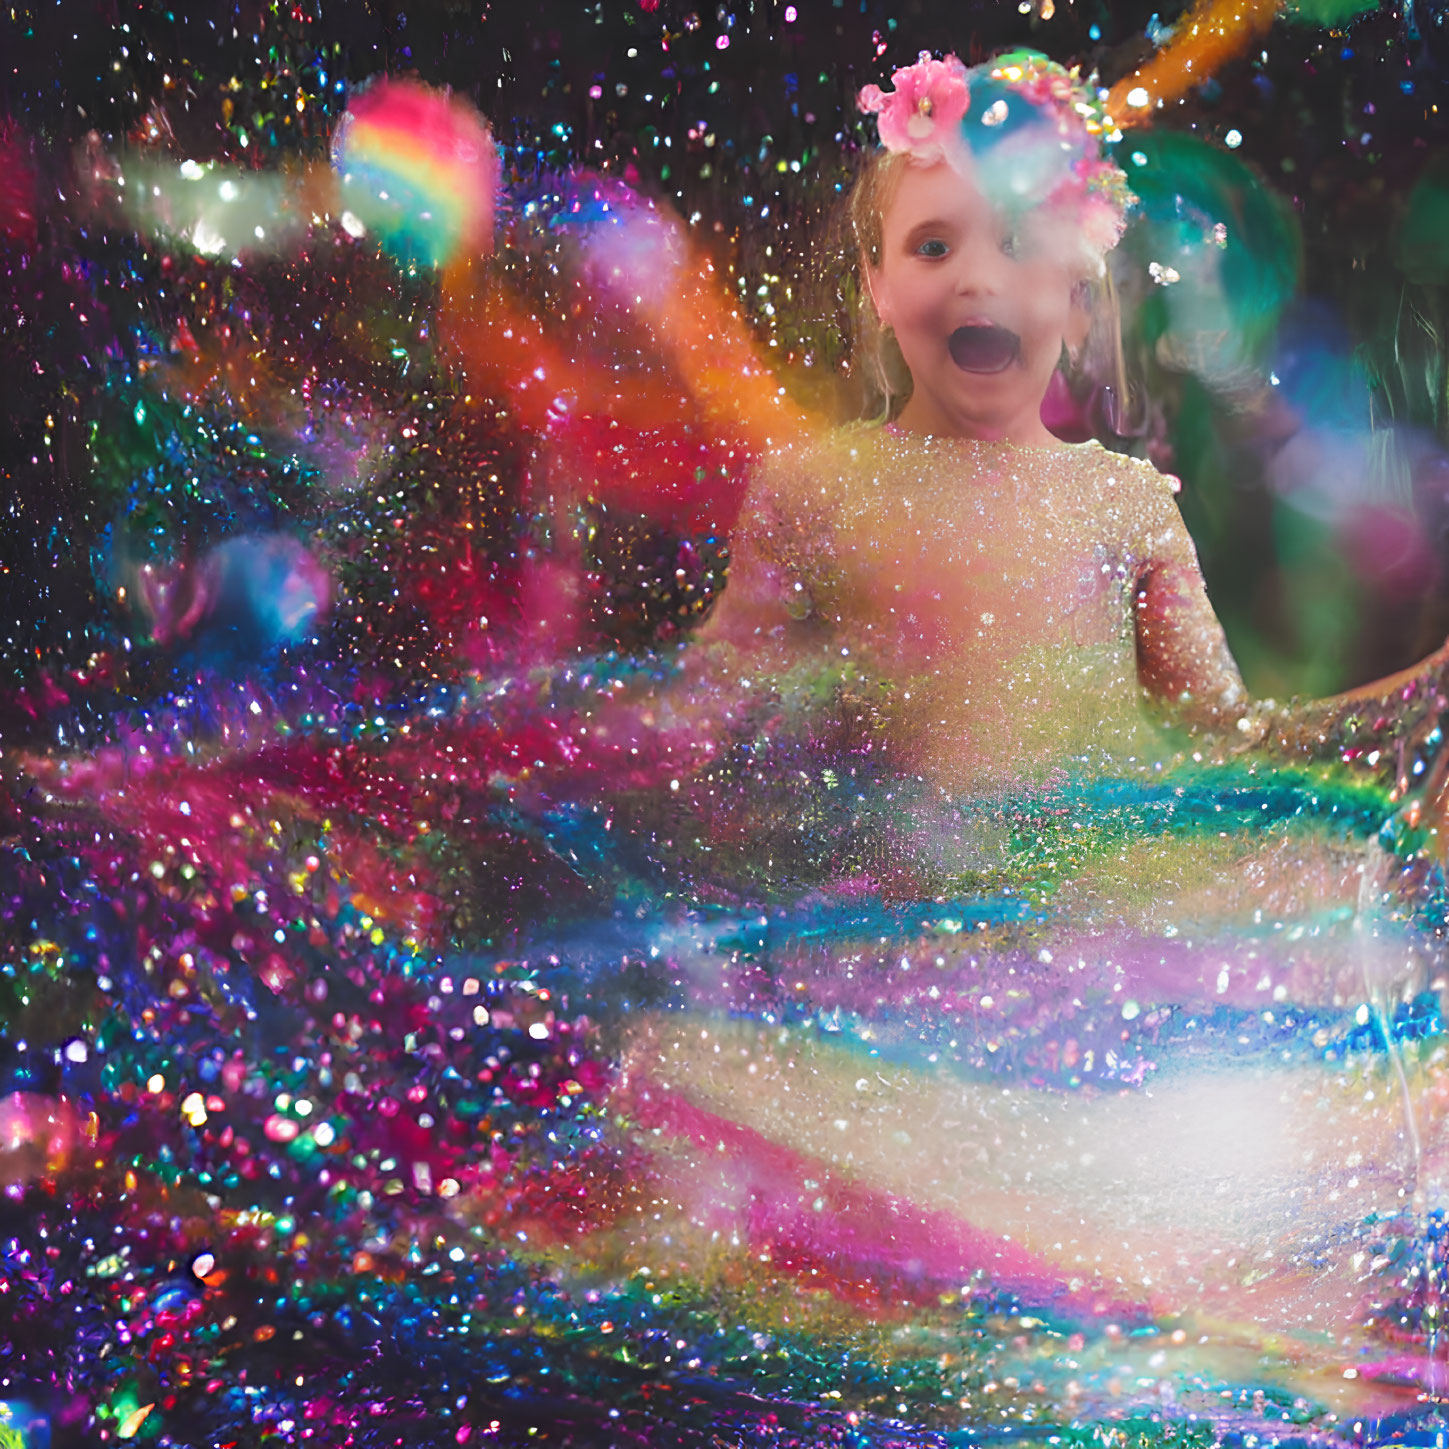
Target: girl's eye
[(932, 248)]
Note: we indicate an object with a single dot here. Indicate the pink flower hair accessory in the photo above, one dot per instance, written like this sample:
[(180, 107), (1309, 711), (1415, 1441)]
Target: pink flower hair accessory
[(1031, 131), (922, 114)]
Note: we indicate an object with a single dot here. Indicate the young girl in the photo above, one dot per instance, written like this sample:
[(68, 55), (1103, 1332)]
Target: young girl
[(960, 605), (998, 603)]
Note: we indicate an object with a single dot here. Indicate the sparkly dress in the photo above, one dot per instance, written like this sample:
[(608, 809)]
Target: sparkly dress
[(957, 629), (1103, 1020), (990, 602)]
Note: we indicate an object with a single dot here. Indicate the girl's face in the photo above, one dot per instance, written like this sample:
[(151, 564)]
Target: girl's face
[(980, 306)]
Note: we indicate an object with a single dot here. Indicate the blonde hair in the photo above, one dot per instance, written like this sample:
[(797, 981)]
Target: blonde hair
[(885, 378), (884, 374)]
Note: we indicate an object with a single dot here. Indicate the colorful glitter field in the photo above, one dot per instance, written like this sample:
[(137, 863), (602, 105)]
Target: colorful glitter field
[(571, 873)]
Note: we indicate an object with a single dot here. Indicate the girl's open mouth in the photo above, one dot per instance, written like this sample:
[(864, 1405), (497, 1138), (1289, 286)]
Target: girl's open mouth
[(983, 348)]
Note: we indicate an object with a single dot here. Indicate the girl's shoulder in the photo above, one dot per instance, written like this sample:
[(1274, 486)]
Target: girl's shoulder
[(850, 465), (1103, 476), (1123, 469), (1131, 503)]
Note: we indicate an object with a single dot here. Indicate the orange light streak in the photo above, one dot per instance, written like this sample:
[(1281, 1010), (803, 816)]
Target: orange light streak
[(1210, 35)]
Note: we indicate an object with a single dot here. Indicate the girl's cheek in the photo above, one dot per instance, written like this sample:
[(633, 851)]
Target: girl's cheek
[(1048, 290)]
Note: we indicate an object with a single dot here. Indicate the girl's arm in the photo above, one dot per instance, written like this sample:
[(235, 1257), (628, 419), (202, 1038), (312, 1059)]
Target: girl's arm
[(1183, 659), (1387, 730), (1390, 730)]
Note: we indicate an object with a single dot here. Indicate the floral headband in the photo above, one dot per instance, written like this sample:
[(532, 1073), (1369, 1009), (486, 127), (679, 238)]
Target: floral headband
[(1027, 127)]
